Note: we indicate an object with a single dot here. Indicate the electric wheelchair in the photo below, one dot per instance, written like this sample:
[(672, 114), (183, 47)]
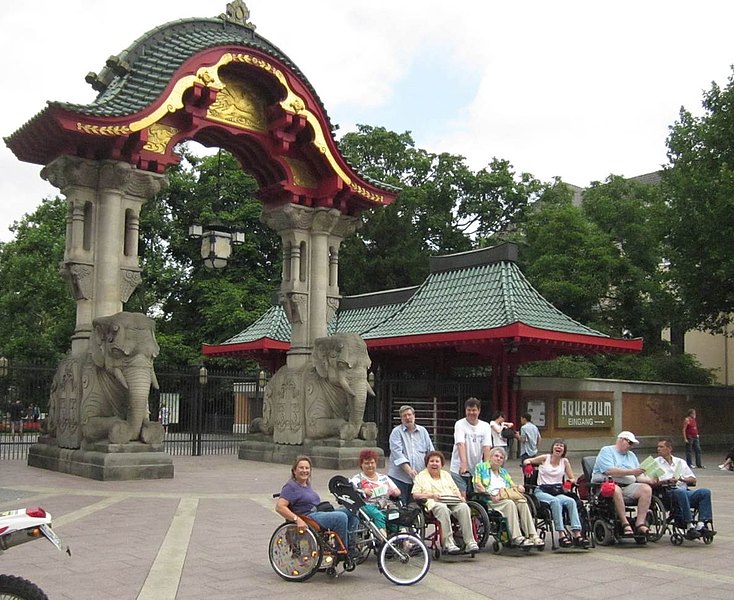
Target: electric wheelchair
[(606, 527), (543, 515), (675, 523), (297, 553)]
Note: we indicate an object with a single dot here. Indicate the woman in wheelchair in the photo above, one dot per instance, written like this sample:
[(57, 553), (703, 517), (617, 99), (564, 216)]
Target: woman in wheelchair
[(377, 488), (553, 468), (444, 500), (298, 499), (492, 479)]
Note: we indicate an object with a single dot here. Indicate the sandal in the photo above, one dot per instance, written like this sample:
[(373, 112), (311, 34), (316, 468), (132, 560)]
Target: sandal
[(581, 541), (564, 541), (628, 529), (642, 530)]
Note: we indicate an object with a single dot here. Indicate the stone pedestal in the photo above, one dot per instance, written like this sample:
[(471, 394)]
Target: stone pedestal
[(327, 454), (104, 461)]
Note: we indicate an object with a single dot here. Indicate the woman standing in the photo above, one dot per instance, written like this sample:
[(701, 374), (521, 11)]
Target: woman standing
[(443, 499), (491, 478), (553, 468)]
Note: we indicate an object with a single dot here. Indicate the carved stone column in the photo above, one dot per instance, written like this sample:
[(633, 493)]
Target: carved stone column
[(100, 258), (309, 291)]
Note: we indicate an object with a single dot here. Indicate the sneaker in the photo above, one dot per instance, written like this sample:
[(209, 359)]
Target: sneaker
[(692, 467), (701, 467), (520, 541), (527, 542), (452, 549), (723, 468), (472, 547), (700, 526)]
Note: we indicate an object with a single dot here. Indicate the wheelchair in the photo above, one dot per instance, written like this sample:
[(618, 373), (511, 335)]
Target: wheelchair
[(496, 524), (606, 527), (543, 515), (297, 553), (428, 528), (674, 523)]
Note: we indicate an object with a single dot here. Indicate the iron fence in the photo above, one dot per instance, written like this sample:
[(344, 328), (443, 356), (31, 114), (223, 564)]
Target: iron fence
[(203, 414)]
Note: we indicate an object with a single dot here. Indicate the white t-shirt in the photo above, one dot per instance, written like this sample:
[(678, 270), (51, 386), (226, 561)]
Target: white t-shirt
[(497, 439), (474, 438)]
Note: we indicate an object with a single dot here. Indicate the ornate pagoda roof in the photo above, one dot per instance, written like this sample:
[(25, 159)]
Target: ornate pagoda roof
[(161, 90), (476, 302)]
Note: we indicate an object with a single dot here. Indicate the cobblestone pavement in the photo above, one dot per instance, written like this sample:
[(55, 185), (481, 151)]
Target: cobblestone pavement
[(204, 534)]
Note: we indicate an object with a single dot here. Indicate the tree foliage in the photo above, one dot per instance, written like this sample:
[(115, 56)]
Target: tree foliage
[(36, 309), (699, 183)]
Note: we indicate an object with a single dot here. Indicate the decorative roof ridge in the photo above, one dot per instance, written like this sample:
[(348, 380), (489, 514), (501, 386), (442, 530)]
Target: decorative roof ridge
[(379, 298), (506, 252), (402, 307), (268, 314), (511, 315)]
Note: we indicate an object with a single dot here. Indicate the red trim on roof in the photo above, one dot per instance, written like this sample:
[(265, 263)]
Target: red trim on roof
[(262, 345), (516, 332)]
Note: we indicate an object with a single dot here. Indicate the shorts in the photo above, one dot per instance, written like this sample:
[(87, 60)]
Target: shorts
[(630, 491)]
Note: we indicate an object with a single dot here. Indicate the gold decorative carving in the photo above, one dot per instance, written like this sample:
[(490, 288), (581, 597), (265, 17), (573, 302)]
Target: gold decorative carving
[(239, 104), (158, 137), (366, 193), (111, 130), (302, 174)]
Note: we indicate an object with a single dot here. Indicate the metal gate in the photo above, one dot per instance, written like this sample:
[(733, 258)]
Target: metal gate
[(208, 411), (437, 404)]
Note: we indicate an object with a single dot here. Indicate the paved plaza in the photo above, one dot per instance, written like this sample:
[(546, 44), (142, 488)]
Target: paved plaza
[(204, 534)]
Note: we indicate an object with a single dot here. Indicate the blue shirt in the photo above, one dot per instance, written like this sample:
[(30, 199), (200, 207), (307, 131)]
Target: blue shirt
[(608, 458), (408, 447)]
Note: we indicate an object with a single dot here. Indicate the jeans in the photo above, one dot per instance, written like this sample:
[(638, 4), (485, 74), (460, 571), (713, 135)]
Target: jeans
[(406, 490), (341, 521), (557, 504), (699, 498), (693, 445)]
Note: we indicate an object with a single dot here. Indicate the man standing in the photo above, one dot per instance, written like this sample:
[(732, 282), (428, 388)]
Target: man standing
[(620, 463), (677, 473), (409, 444), (691, 439), (529, 437), (16, 419), (472, 443)]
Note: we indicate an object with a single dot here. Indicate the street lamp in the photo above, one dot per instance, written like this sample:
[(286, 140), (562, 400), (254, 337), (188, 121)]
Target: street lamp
[(3, 366), (262, 379), (216, 243), (203, 375)]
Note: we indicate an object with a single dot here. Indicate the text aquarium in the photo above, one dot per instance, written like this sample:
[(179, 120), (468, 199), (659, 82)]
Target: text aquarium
[(584, 413)]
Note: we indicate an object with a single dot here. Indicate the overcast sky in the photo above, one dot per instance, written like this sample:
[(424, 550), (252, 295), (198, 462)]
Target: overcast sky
[(575, 89)]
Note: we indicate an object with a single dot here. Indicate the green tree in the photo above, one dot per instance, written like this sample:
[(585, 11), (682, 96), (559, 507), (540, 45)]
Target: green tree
[(632, 216), (699, 184), (568, 259), (36, 310)]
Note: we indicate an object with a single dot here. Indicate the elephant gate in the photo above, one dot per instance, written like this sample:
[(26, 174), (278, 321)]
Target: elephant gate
[(219, 83)]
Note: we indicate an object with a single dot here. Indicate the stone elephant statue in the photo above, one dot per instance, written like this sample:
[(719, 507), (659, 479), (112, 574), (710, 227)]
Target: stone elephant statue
[(103, 395), (325, 398)]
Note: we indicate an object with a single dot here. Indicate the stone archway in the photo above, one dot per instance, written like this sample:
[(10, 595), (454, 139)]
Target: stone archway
[(217, 82)]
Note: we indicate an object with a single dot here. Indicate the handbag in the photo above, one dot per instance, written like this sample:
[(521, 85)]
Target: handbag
[(508, 433), (511, 493)]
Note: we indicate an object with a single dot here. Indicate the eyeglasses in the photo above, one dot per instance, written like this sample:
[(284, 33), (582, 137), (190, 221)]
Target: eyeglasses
[(630, 442)]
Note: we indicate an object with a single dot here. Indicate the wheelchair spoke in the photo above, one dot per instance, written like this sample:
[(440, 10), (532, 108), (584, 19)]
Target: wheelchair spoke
[(294, 552), (404, 559)]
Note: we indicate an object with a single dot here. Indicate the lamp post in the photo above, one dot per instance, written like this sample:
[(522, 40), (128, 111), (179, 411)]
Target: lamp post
[(217, 240), (3, 374), (199, 411), (3, 366), (262, 381)]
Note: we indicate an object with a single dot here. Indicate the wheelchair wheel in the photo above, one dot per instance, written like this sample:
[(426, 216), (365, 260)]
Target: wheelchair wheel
[(479, 522), (603, 534), (496, 546), (404, 559), (294, 552), (656, 519), (676, 539)]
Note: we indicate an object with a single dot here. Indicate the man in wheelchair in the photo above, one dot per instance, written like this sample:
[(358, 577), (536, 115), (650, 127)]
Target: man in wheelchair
[(676, 478), (620, 463)]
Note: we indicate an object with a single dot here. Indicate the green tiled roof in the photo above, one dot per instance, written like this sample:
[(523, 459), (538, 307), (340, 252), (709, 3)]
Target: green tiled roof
[(273, 325), (155, 56), (470, 291), (475, 298)]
